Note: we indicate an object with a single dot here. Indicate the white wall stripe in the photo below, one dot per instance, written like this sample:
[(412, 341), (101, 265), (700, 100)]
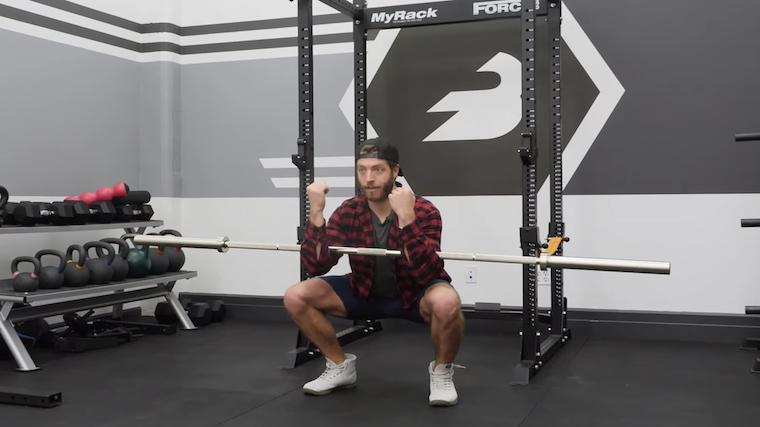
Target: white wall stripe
[(73, 18), (266, 34), (331, 181), (283, 52), (319, 162), (107, 49), (225, 37), (80, 42)]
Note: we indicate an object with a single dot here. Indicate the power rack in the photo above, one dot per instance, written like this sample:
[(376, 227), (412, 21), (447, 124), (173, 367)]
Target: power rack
[(536, 350), (751, 343)]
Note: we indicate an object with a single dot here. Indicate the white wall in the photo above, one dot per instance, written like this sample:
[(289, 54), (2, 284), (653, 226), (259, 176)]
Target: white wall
[(713, 260)]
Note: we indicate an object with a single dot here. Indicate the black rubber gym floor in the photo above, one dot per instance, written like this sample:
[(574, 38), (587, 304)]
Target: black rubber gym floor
[(227, 374)]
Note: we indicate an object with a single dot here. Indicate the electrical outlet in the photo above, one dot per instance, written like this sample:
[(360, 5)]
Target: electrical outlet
[(471, 274), (543, 277)]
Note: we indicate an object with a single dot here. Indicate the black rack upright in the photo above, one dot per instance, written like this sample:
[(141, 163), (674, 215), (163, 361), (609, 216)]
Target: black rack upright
[(751, 343), (535, 352), (304, 160)]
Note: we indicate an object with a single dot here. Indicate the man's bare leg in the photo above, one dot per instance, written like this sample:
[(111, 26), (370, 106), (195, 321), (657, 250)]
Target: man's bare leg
[(307, 302), (447, 337), (441, 308)]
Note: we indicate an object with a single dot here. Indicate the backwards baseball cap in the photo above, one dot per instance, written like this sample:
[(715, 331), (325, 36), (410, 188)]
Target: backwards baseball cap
[(379, 148)]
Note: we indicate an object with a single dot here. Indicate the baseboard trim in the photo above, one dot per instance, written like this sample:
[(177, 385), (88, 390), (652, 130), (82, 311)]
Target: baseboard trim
[(645, 325)]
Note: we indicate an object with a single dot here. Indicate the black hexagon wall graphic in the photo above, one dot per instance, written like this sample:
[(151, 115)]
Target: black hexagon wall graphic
[(450, 97)]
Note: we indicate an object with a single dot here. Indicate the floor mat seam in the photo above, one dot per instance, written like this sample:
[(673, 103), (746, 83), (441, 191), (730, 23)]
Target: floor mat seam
[(256, 407)]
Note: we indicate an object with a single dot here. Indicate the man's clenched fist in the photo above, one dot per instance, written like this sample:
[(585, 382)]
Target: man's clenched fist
[(402, 202), (316, 192)]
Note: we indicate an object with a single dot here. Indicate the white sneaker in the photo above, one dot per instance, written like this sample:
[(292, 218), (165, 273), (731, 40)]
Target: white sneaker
[(442, 390), (334, 377)]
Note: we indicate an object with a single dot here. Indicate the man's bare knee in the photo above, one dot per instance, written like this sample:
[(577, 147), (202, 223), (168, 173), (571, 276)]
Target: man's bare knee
[(441, 301), (315, 293), (299, 296)]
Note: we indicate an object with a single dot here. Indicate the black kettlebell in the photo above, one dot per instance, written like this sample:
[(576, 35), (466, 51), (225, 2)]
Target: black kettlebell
[(159, 261), (76, 274), (26, 282), (100, 268), (176, 256), (120, 265), (51, 277), (138, 259)]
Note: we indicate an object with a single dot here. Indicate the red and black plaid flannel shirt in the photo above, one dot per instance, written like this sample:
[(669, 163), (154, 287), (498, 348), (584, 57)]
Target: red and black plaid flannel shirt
[(351, 226)]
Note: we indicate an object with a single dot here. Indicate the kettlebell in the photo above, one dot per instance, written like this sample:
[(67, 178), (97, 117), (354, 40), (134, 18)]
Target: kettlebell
[(159, 261), (26, 282), (100, 268), (138, 259), (76, 274), (120, 265), (176, 256), (51, 277)]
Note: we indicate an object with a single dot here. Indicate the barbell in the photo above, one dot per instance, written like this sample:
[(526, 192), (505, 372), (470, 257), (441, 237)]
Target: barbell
[(543, 260)]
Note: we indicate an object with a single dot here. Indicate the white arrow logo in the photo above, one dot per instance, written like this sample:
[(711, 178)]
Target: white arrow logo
[(483, 114)]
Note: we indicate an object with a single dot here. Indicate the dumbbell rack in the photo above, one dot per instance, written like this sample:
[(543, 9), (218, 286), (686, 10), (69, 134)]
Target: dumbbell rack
[(70, 299)]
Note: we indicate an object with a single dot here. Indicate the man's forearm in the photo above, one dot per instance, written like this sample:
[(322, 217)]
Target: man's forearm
[(403, 221), (318, 219), (419, 247)]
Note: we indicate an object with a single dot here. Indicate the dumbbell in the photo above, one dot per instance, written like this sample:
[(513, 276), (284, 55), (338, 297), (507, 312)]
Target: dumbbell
[(126, 213), (33, 213), (198, 312), (6, 213), (3, 200), (217, 307), (98, 211), (201, 313)]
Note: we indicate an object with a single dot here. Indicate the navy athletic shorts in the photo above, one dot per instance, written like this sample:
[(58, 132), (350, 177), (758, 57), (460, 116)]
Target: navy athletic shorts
[(378, 308)]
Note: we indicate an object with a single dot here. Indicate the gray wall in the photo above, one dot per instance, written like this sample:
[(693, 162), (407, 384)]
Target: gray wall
[(74, 120), (690, 71), (234, 113), (160, 131), (68, 118)]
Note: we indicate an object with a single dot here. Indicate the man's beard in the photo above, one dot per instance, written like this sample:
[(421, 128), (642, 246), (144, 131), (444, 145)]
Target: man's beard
[(379, 196)]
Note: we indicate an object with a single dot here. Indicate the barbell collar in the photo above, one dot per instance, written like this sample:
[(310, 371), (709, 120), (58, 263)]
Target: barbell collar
[(543, 260)]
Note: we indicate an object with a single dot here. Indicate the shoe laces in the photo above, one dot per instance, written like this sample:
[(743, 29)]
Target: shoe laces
[(443, 380), (331, 372)]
